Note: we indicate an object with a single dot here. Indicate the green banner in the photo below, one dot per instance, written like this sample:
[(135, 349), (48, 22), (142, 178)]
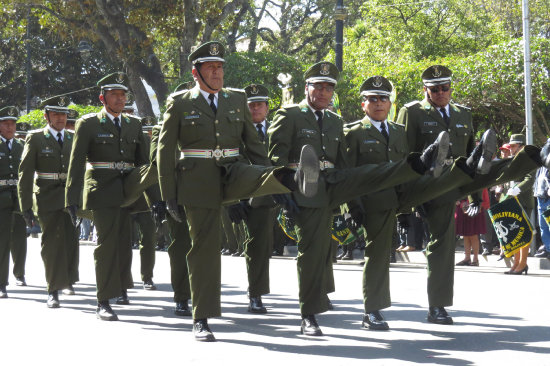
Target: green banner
[(512, 226)]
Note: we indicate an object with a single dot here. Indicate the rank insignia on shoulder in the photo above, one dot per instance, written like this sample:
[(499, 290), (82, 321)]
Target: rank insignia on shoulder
[(430, 123)]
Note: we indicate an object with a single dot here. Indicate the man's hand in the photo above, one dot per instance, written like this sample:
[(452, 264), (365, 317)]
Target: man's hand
[(473, 209), (28, 215), (72, 213), (173, 209), (514, 191), (286, 201)]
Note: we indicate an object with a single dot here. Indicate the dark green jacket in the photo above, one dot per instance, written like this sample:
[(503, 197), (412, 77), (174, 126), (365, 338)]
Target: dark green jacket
[(190, 123), (43, 154), (9, 165), (294, 126), (366, 145), (96, 139)]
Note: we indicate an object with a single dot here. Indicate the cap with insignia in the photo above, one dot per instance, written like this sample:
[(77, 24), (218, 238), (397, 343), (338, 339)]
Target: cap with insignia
[(147, 123), (436, 75), (210, 51), (72, 116), (376, 85), (322, 72), (10, 113), (256, 93), (59, 104), (117, 80), (22, 128), (517, 138)]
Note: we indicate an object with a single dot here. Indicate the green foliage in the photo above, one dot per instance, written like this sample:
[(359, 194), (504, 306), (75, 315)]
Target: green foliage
[(36, 117)]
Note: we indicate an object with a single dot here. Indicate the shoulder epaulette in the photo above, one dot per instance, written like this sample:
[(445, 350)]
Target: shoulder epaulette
[(410, 104), (334, 113), (179, 92), (236, 89), (397, 124), (351, 124), (461, 106), (35, 131), (88, 115)]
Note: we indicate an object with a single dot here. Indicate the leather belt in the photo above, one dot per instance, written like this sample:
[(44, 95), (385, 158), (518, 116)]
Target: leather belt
[(115, 165), (52, 176), (8, 182), (209, 154), (323, 165)]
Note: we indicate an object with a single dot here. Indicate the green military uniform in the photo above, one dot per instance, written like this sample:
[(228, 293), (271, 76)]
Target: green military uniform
[(293, 127), (12, 225), (423, 122), (44, 166), (111, 164), (367, 145), (180, 242), (210, 171)]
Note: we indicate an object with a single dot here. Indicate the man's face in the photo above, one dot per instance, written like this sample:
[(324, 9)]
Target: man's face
[(319, 95), (7, 129), (515, 148), (212, 73), (56, 120), (440, 95), (376, 107), (113, 100), (258, 110)]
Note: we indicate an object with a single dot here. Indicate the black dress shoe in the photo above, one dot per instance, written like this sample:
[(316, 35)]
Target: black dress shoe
[(348, 256), (307, 174), (310, 327), (149, 285), (481, 156), (434, 156), (68, 291), (53, 300), (256, 306), (438, 315), (374, 321), (202, 332), (182, 309), (543, 254), (277, 252), (104, 311), (3, 292), (20, 281), (227, 252), (123, 298), (236, 254)]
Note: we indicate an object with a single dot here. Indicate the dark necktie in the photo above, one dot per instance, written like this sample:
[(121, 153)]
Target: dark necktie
[(8, 142), (117, 124), (261, 134), (384, 131), (212, 104), (319, 115), (445, 116), (59, 139)]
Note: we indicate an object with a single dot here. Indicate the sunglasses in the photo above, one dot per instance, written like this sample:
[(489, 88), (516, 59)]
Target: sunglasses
[(375, 99), (435, 89), (319, 87)]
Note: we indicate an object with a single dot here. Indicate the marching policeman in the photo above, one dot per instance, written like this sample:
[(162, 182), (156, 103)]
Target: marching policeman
[(310, 122), (108, 157), (208, 124), (12, 224), (44, 165)]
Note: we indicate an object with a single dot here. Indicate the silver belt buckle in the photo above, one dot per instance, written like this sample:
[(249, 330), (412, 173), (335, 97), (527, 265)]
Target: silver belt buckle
[(62, 176), (12, 182), (218, 153), (119, 165)]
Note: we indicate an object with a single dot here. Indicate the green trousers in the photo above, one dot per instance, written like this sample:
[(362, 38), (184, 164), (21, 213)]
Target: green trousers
[(13, 238), (146, 226), (440, 252), (113, 255), (258, 247), (180, 244), (231, 241), (58, 249)]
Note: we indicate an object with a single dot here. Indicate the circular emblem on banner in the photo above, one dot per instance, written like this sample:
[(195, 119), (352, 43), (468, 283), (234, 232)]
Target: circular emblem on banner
[(214, 49), (377, 82), (325, 69)]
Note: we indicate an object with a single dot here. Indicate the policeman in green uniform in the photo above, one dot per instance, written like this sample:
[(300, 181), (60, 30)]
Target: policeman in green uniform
[(310, 122), (208, 124), (44, 165), (12, 225), (108, 157), (423, 121), (71, 119)]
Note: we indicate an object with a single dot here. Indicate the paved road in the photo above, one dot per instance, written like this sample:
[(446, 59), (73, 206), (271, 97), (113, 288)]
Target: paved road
[(500, 320)]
